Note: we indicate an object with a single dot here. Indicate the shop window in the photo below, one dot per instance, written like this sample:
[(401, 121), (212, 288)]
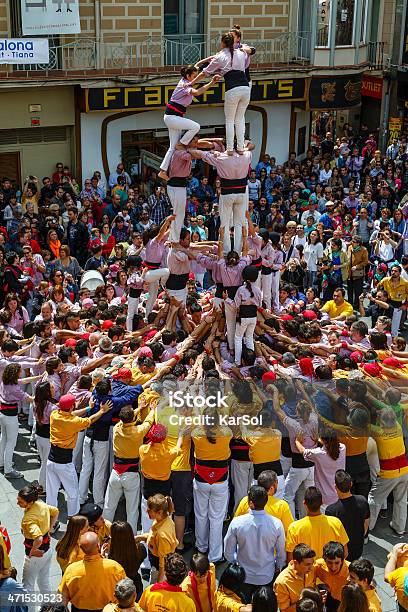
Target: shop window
[(323, 22), (344, 23)]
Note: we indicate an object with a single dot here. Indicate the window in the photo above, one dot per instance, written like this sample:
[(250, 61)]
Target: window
[(344, 23), (184, 31), (323, 23)]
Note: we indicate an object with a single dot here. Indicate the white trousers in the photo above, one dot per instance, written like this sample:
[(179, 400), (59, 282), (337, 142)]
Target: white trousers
[(153, 279), (43, 448), (133, 305), (396, 320), (275, 290), (233, 205), (296, 478), (178, 199), (210, 506), (95, 456), (176, 125), (286, 463), (235, 105), (179, 294), (266, 286), (231, 321), (129, 485), (380, 490), (200, 278), (8, 441), (65, 474), (36, 573), (245, 329), (242, 475), (146, 524), (77, 454)]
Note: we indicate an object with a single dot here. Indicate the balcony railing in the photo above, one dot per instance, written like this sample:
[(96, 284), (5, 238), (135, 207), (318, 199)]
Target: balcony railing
[(375, 55), (156, 52)]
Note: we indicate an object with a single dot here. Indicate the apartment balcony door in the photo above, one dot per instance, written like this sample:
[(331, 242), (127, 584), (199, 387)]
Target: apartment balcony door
[(304, 28), (183, 31)]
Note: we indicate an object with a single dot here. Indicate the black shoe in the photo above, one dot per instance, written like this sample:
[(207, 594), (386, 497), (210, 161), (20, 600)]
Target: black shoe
[(383, 514), (145, 573)]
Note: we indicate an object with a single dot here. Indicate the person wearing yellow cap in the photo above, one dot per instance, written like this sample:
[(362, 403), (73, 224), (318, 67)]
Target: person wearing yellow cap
[(65, 423)]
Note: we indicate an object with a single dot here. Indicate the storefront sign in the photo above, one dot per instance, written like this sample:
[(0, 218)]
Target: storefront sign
[(154, 96), (49, 17), (371, 87), (394, 128), (335, 92), (24, 51)]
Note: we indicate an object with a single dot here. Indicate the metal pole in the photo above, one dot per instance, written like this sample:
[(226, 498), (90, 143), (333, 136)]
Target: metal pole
[(357, 29), (313, 31), (98, 58)]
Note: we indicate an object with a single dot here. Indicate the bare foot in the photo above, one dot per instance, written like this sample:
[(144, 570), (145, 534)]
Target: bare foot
[(230, 152), (163, 175), (240, 151)]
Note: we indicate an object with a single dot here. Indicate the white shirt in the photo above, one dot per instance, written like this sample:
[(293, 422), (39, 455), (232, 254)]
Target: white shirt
[(312, 253)]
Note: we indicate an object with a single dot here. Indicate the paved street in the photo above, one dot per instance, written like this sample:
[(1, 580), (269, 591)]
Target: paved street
[(381, 541)]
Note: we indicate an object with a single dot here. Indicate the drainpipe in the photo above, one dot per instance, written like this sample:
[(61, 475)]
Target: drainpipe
[(357, 30), (98, 58), (313, 32)]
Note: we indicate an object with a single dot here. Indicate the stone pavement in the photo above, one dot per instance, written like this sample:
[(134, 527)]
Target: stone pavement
[(26, 461)]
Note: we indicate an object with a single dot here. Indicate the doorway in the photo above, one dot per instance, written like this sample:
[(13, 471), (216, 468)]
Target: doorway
[(10, 166)]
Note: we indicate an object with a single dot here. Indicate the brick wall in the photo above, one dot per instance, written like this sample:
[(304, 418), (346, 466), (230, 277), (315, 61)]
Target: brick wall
[(258, 18), (130, 21), (3, 19)]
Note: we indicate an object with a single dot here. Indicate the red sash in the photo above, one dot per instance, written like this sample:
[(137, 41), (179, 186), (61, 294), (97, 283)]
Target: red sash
[(210, 475), (194, 588), (396, 463), (165, 586), (121, 468)]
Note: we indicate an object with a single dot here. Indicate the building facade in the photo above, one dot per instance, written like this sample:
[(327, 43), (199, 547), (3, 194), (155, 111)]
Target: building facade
[(101, 98)]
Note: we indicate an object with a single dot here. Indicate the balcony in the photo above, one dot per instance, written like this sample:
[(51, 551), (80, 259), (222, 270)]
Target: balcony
[(375, 55), (80, 56)]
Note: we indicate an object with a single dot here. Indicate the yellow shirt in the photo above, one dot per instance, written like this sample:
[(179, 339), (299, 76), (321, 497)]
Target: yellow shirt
[(146, 400), (206, 598), (396, 580), (333, 310), (204, 450), (138, 378), (278, 508), (128, 437), (6, 562), (76, 554), (182, 462), (355, 445), (166, 601), (227, 601), (111, 607), (390, 444), (36, 519), (103, 532), (264, 446), (162, 540), (156, 460), (398, 293), (90, 583), (316, 531), (289, 584), (334, 582), (64, 428), (374, 602)]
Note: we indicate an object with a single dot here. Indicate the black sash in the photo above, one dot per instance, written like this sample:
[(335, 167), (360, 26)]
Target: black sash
[(229, 186), (41, 430), (247, 311), (219, 290), (268, 465), (173, 108), (135, 293), (232, 291), (9, 410), (60, 455), (235, 78), (177, 181), (176, 282)]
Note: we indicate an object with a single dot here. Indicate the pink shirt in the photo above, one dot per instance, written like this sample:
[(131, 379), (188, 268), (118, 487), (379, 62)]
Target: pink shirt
[(180, 164), (154, 250), (325, 471), (178, 262), (244, 298), (231, 276), (233, 166), (222, 63), (182, 93), (255, 244)]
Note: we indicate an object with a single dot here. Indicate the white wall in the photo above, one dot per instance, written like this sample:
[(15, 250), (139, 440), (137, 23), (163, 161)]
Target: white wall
[(278, 115)]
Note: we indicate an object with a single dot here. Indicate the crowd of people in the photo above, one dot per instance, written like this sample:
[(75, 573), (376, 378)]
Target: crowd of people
[(198, 345)]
